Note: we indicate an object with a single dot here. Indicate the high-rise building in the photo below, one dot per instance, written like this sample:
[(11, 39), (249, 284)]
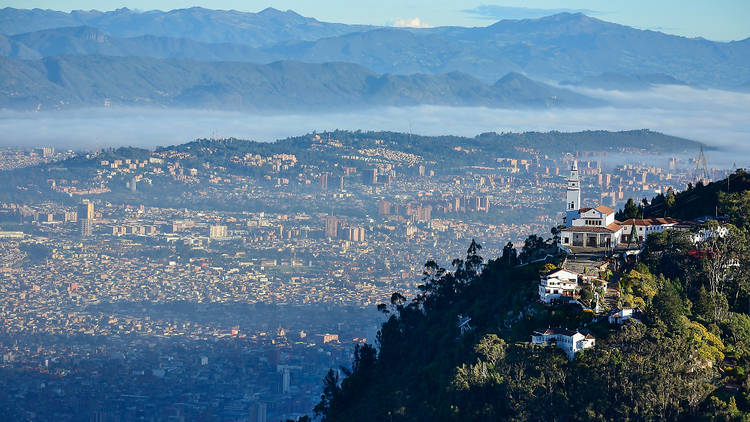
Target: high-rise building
[(324, 181), (286, 378), (332, 227), (371, 176), (384, 207), (86, 217), (86, 224), (258, 412), (217, 232), (86, 211), (47, 151)]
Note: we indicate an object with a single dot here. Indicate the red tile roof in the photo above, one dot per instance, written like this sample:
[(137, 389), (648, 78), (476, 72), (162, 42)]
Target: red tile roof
[(605, 210)]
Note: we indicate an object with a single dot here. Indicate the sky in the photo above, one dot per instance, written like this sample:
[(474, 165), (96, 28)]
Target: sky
[(720, 20)]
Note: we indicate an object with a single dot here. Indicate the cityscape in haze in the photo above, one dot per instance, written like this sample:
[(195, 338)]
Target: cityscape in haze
[(300, 211)]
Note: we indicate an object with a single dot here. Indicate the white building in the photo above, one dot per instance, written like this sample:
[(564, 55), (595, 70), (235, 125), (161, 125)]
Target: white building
[(587, 227), (645, 227), (571, 342), (558, 284), (620, 316), (217, 232), (706, 233), (592, 228)]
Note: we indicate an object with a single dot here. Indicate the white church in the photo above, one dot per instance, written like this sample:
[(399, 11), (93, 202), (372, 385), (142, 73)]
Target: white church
[(587, 227)]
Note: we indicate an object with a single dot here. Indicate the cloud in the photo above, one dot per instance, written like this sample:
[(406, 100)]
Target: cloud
[(717, 118), (410, 23), (493, 12)]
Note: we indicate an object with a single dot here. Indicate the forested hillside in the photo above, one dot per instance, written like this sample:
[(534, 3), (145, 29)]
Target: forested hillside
[(62, 82), (686, 360), (697, 200)]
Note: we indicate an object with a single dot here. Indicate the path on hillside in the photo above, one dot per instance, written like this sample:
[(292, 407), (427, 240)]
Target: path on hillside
[(611, 295), (588, 263)]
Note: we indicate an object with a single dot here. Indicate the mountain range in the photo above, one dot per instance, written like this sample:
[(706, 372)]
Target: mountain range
[(80, 81), (422, 64), (268, 27)]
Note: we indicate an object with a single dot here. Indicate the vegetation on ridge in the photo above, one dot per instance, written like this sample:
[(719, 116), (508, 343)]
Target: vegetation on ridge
[(686, 360)]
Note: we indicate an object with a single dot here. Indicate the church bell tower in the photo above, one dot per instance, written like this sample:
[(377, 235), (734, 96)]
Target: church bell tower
[(573, 195)]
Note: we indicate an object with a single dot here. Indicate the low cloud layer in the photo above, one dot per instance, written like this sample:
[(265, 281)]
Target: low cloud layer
[(717, 118)]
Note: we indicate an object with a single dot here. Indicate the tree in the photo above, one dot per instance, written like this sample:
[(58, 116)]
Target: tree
[(737, 207), (556, 232), (669, 307), (633, 233), (510, 256), (720, 260), (631, 209), (669, 201), (331, 392), (531, 246)]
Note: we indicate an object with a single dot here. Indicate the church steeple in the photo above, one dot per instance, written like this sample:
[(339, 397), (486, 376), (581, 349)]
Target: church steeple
[(574, 189), (573, 195)]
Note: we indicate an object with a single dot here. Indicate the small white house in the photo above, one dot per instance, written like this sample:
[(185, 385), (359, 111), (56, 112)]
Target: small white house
[(559, 283), (620, 316), (571, 342), (706, 233), (645, 227)]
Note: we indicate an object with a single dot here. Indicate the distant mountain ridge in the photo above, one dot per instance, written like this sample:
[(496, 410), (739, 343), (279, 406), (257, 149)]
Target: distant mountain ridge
[(267, 27), (618, 81), (85, 81), (566, 46), (88, 40)]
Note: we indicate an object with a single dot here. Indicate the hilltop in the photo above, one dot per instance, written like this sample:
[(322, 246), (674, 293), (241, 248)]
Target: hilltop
[(329, 151), (685, 358)]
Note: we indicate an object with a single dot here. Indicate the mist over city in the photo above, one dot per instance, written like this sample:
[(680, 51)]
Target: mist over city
[(717, 118)]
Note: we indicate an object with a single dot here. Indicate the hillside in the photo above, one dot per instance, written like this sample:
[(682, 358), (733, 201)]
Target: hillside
[(80, 81), (699, 200), (687, 358), (562, 47), (452, 154)]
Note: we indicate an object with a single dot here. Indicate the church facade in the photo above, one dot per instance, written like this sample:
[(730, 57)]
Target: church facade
[(587, 227)]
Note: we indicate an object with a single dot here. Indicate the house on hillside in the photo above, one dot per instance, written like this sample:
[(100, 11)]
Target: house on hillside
[(620, 316), (571, 342), (557, 284), (645, 227)]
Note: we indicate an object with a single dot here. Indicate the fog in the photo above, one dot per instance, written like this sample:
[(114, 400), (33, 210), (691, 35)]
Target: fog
[(718, 118)]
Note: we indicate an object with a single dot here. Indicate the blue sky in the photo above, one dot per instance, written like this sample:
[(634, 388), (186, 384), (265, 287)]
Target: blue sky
[(722, 20)]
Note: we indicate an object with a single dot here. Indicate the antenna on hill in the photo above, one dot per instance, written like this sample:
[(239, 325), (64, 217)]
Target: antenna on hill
[(701, 166)]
